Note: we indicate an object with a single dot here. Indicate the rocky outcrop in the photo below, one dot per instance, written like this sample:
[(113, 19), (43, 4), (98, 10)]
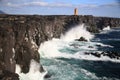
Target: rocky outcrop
[(110, 54), (20, 36), (81, 39)]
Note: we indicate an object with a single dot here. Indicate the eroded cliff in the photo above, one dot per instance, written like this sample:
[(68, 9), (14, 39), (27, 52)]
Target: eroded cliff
[(20, 36)]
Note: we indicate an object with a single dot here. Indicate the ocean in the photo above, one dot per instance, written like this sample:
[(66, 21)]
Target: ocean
[(65, 58)]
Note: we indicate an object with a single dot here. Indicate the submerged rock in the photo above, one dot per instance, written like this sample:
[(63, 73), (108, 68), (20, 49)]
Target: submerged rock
[(90, 47)]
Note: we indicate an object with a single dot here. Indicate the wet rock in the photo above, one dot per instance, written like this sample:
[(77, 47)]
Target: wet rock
[(96, 54), (98, 45), (113, 54), (86, 53), (110, 54), (47, 76), (90, 47), (81, 39), (42, 69)]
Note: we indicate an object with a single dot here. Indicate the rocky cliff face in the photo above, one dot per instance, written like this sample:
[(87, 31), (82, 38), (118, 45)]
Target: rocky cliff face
[(20, 36)]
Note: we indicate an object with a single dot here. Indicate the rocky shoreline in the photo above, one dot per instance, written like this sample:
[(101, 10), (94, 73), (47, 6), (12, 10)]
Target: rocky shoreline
[(110, 54), (21, 35)]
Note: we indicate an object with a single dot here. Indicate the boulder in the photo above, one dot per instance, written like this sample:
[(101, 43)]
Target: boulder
[(81, 39)]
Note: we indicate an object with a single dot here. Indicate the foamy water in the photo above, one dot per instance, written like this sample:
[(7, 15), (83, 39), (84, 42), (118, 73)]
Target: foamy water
[(77, 32), (106, 28), (33, 74), (58, 48)]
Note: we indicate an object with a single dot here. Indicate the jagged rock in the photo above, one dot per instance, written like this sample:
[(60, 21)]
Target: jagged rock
[(110, 54), (42, 69), (81, 39), (96, 54)]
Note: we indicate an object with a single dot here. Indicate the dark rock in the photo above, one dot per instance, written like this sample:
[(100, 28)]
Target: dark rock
[(7, 43), (87, 53), (47, 76), (42, 69), (110, 54), (96, 54), (98, 45), (90, 47), (113, 54), (81, 39), (6, 75)]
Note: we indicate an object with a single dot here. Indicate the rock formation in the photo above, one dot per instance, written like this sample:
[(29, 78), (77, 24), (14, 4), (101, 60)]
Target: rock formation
[(81, 39), (20, 36)]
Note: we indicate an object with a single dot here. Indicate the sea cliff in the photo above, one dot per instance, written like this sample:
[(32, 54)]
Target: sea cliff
[(21, 36)]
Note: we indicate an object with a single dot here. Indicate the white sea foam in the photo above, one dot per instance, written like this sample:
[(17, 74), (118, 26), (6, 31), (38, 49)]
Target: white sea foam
[(33, 74), (77, 32), (89, 74), (18, 69), (104, 45), (106, 28), (51, 49)]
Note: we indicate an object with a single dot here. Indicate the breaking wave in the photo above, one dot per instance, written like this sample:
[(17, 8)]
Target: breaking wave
[(106, 28), (34, 72), (77, 32), (68, 48)]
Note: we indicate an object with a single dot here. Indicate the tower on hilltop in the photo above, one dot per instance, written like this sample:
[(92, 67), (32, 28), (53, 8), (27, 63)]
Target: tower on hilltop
[(75, 11)]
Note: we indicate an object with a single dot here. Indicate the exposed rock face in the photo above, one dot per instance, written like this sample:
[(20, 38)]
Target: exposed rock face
[(20, 36), (6, 75)]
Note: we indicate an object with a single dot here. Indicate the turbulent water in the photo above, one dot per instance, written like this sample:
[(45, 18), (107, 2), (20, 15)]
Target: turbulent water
[(64, 59)]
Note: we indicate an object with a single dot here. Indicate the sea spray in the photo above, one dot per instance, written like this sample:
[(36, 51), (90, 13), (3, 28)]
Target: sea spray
[(34, 72), (106, 28), (77, 32), (66, 47), (51, 48)]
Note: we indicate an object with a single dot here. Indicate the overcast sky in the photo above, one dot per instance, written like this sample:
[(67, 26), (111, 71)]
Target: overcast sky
[(110, 8)]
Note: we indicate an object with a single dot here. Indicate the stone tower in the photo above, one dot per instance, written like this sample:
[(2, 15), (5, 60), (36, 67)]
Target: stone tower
[(75, 11)]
